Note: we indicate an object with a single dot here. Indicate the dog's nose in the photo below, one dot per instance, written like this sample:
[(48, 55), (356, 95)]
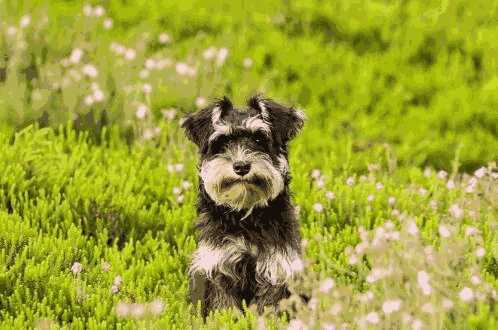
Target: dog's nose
[(241, 168)]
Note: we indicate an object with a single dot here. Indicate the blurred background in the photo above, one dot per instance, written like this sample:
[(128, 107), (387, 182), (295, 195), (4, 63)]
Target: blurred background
[(417, 78)]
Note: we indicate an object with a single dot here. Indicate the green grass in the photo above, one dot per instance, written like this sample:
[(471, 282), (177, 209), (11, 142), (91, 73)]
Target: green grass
[(405, 86)]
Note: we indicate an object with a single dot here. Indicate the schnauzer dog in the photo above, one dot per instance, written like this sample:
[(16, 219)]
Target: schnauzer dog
[(249, 244)]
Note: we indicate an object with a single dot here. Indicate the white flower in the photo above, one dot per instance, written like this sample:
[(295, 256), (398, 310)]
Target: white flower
[(417, 324), (444, 231), (456, 211), (182, 68), (367, 296), (391, 200), (156, 307), (221, 56), (98, 11), (411, 228), (353, 259), (247, 63), (480, 252), (390, 306), (450, 184), (77, 268), (169, 113), (316, 173), (75, 56), (25, 21), (137, 310), (470, 231), (177, 191), (106, 266), (475, 279), (442, 175), (318, 207), (130, 54), (372, 318), (87, 10), (336, 309), (88, 100), (114, 289), (186, 184), (447, 304), (122, 309), (209, 53), (180, 199), (108, 23), (466, 294), (428, 308), (326, 285), (147, 88), (370, 198), (329, 195), (379, 186), (90, 70), (118, 280), (480, 172), (297, 324), (144, 74), (150, 63), (350, 181), (200, 102), (164, 38), (98, 95), (142, 111), (11, 31), (423, 282), (328, 326)]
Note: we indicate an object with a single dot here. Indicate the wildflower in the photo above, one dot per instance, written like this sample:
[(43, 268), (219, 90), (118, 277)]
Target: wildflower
[(350, 181), (247, 63), (147, 88), (475, 279), (372, 318), (480, 252), (88, 100), (75, 56), (428, 308), (130, 54), (137, 310), (422, 191), (90, 70), (466, 294), (373, 167), (144, 74), (480, 172), (163, 63), (336, 309), (450, 185), (370, 198), (316, 173), (367, 296), (108, 23), (176, 191), (186, 184), (353, 259), (98, 95), (118, 280), (221, 56), (470, 231), (447, 304), (297, 324), (142, 111), (11, 31), (180, 199), (330, 195), (115, 289), (391, 200), (150, 63), (363, 178), (318, 207), (164, 38), (390, 306), (423, 282), (456, 211), (181, 68), (395, 213), (200, 101), (417, 324), (106, 266), (444, 231), (379, 186), (209, 53), (156, 307), (169, 114), (412, 228), (328, 326), (87, 10), (76, 268), (122, 309), (25, 21), (326, 285), (98, 11), (361, 247), (442, 175)]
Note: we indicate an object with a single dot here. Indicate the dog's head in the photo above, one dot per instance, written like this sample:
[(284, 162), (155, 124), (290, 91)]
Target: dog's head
[(243, 153)]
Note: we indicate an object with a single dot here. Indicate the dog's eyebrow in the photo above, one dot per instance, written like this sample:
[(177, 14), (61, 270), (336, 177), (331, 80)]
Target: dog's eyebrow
[(256, 123)]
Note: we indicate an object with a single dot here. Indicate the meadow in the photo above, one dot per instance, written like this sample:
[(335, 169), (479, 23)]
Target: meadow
[(394, 173)]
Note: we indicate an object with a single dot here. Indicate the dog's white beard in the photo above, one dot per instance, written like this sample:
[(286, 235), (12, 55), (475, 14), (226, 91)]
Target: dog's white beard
[(242, 194)]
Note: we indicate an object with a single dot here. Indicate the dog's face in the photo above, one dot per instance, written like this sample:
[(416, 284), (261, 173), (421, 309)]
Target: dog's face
[(243, 153)]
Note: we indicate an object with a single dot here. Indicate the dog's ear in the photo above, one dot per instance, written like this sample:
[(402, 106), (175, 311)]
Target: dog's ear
[(199, 125), (285, 121)]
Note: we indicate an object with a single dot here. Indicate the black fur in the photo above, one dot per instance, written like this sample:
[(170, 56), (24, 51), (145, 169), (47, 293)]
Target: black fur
[(267, 229)]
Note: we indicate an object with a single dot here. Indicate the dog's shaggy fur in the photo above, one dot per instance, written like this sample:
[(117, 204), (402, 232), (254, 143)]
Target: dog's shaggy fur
[(249, 241)]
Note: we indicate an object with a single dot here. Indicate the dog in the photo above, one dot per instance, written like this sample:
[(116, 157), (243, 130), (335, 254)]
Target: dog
[(249, 244)]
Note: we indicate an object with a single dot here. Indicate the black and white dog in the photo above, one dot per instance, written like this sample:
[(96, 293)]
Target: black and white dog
[(249, 241)]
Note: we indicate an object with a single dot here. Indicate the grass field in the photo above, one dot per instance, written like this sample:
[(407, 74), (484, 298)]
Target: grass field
[(394, 173)]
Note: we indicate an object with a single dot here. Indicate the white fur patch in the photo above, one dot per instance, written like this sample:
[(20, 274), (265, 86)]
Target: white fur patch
[(219, 126), (283, 164), (264, 111), (255, 123), (279, 266)]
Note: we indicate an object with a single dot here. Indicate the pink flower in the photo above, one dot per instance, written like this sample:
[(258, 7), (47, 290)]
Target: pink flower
[(390, 306), (466, 294), (327, 285), (423, 282), (329, 195), (76, 268), (108, 23), (444, 231), (164, 38), (318, 207), (456, 211)]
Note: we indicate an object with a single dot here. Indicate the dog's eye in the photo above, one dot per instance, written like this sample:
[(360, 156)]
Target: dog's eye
[(260, 139)]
